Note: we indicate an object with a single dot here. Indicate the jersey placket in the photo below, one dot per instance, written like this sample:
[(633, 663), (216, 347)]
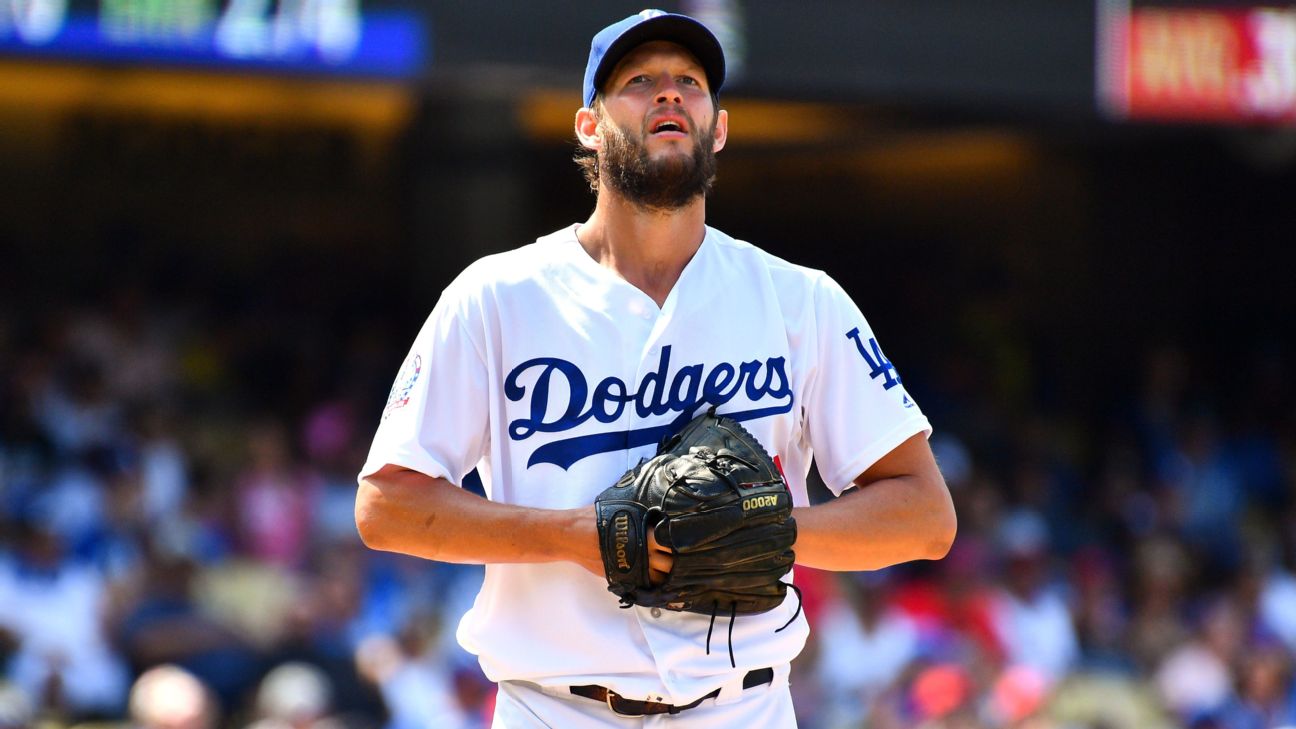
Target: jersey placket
[(660, 627), (646, 325), (638, 332)]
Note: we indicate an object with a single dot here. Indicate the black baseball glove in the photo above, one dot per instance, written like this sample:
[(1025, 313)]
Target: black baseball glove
[(713, 496)]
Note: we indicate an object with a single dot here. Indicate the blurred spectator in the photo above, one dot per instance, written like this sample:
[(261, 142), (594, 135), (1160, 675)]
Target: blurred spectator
[(954, 459), (418, 686), (57, 609), (295, 696), (1196, 679), (254, 600), (163, 625), (16, 709), (74, 407), (1017, 699), (953, 607), (869, 645), (1159, 584), (1101, 616), (1266, 694), (944, 697), (1107, 701), (1030, 614), (1277, 604), (1162, 397), (325, 625), (332, 445), (275, 499), (168, 697), (132, 340), (164, 467), (1207, 491), (72, 502)]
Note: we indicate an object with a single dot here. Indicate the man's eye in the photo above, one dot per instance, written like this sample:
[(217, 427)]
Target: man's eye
[(639, 79), (688, 80)]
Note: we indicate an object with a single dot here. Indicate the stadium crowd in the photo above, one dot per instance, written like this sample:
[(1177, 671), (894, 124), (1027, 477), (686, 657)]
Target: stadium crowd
[(177, 547)]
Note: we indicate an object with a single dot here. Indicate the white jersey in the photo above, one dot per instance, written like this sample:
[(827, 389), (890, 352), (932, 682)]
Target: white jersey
[(552, 376)]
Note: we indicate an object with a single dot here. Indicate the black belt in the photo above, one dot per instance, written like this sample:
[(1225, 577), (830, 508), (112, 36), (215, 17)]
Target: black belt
[(629, 707)]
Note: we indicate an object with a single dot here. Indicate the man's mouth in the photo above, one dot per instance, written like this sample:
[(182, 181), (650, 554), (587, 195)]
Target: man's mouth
[(669, 127)]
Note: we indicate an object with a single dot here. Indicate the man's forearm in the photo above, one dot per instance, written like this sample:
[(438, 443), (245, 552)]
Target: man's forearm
[(399, 510), (887, 522)]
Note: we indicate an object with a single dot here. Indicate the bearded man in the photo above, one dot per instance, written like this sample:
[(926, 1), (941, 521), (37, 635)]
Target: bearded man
[(553, 368)]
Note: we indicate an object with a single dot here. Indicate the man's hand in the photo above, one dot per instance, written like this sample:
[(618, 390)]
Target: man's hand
[(660, 559)]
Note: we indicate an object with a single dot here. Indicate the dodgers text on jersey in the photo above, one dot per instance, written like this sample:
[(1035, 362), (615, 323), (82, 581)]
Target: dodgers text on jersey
[(764, 383)]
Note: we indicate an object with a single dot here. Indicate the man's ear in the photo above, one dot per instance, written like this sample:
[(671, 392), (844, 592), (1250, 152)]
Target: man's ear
[(721, 130), (587, 129)]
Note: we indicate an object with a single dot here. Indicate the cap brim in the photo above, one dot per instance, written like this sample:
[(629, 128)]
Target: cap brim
[(684, 31)]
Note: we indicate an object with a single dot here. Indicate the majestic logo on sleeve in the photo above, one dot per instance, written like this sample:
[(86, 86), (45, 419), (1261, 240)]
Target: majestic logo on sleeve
[(664, 390)]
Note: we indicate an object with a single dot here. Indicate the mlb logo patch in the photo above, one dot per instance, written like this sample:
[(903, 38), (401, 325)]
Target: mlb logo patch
[(399, 395)]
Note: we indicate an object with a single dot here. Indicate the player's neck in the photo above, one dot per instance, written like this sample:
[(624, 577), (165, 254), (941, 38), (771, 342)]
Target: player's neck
[(649, 249)]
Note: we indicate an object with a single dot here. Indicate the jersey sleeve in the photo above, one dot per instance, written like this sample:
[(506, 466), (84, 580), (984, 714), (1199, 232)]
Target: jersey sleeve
[(435, 419), (856, 407)]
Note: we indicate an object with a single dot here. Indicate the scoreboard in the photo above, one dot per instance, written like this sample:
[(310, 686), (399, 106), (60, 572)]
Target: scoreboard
[(1215, 62), (334, 37)]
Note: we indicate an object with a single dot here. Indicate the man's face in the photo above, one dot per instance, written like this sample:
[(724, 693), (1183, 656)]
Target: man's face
[(659, 127)]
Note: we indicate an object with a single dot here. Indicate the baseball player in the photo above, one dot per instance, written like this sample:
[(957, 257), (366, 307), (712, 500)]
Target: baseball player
[(555, 367)]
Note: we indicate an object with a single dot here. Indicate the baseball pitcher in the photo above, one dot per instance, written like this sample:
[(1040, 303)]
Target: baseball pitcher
[(642, 396)]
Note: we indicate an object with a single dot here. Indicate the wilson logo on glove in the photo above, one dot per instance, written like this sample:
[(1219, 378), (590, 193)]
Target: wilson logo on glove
[(622, 539)]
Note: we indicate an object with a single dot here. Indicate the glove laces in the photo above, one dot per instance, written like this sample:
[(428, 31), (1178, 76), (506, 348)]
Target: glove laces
[(733, 615)]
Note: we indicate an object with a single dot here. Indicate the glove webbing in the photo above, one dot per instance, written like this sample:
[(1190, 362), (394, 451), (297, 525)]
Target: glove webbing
[(733, 615)]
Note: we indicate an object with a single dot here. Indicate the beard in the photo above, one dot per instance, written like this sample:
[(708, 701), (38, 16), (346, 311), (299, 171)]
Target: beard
[(664, 184)]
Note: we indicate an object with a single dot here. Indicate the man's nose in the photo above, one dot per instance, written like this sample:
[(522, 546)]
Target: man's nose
[(668, 92)]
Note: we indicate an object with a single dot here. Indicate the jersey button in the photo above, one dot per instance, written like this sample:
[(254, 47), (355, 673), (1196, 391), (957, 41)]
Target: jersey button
[(655, 612)]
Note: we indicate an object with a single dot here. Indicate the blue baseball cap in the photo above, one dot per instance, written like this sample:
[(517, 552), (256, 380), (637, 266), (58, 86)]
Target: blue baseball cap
[(615, 41)]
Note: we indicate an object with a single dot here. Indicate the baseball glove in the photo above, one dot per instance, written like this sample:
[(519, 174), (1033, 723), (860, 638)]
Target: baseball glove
[(713, 496)]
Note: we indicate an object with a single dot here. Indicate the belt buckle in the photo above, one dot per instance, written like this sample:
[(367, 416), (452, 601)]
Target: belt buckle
[(613, 709)]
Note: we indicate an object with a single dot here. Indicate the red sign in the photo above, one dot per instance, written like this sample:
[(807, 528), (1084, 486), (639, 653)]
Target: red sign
[(1203, 65)]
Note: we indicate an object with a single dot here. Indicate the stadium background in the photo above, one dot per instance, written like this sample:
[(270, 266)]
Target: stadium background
[(223, 222)]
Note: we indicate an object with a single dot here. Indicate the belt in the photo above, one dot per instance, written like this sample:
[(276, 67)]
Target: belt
[(622, 706)]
